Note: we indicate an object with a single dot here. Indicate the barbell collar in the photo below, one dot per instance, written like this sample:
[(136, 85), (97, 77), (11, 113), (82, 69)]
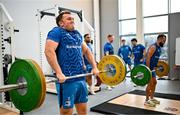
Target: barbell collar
[(139, 75)]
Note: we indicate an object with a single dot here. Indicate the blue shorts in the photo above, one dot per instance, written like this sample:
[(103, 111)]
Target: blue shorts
[(153, 73), (128, 61), (71, 93), (88, 68), (137, 63)]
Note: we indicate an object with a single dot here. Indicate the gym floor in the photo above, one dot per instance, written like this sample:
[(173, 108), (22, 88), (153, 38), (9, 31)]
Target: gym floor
[(50, 106)]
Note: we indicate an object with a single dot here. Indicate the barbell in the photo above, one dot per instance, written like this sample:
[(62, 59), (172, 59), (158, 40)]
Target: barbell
[(27, 83), (145, 73)]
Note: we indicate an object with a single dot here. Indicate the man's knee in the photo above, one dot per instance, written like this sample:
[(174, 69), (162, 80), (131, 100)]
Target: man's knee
[(66, 111), (148, 88), (154, 81), (82, 111), (81, 108)]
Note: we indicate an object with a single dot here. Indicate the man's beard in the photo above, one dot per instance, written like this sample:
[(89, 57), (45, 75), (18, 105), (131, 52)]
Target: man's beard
[(161, 44), (88, 41), (70, 28), (111, 41)]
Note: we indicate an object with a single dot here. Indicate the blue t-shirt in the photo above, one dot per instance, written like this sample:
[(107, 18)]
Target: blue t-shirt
[(108, 48), (69, 51), (124, 51), (86, 62), (155, 57), (138, 52)]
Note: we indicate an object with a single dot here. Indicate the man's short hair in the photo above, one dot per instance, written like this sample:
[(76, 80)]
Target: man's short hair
[(110, 35), (123, 40), (160, 36), (60, 16), (134, 39), (85, 35)]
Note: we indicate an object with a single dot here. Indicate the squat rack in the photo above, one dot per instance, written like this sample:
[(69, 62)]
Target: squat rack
[(7, 56), (7, 29)]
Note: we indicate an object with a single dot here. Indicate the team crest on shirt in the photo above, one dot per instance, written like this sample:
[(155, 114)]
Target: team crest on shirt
[(68, 102)]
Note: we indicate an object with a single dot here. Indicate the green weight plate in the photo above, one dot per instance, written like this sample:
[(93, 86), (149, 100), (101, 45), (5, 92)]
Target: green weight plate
[(141, 80), (23, 69)]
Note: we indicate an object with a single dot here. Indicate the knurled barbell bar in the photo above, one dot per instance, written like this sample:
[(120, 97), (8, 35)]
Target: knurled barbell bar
[(10, 87)]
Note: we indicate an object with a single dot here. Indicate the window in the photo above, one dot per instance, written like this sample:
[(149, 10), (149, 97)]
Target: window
[(128, 39), (155, 13), (127, 9), (155, 7), (156, 24), (150, 39), (175, 6), (127, 27)]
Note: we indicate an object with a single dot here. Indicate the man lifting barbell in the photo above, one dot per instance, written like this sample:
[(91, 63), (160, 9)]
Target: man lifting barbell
[(27, 84), (64, 49), (152, 59)]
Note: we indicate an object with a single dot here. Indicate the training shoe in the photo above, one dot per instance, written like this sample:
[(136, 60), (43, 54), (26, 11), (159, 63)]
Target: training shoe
[(155, 101), (149, 103), (91, 90)]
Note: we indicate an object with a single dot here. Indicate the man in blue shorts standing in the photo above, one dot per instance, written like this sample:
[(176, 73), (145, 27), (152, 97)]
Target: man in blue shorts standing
[(125, 53), (64, 51), (109, 50), (152, 59), (138, 51)]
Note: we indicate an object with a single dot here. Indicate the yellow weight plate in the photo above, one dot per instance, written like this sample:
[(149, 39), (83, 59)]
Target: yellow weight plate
[(164, 71), (43, 82), (118, 65)]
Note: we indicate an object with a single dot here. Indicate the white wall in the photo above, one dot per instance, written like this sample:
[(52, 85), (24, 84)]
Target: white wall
[(96, 14), (109, 22), (27, 44), (177, 59)]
